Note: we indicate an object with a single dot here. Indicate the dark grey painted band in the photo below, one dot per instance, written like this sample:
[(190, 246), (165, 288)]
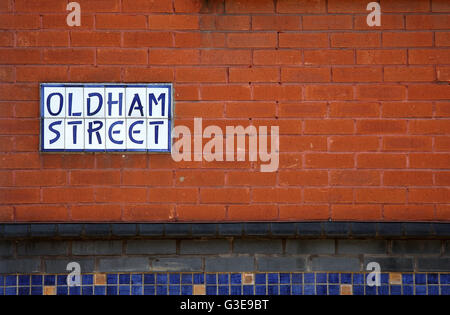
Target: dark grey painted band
[(191, 230)]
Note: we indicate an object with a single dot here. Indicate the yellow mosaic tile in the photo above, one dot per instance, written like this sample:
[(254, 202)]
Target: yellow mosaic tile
[(49, 290), (346, 289), (100, 279), (199, 289), (248, 278), (395, 278)]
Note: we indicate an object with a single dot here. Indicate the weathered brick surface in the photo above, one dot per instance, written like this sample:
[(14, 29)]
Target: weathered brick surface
[(363, 111)]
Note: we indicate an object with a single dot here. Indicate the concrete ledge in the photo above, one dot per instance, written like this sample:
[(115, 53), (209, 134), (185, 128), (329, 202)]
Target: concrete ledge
[(382, 230)]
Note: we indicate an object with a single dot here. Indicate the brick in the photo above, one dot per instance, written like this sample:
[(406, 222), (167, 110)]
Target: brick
[(424, 160), (416, 247), (278, 195), (335, 264), (355, 178), (276, 57), (275, 23), (298, 144), (427, 22), (192, 75), (145, 213), (276, 92), (6, 213), (113, 56), (328, 160), (303, 212), (429, 195), (355, 40), (173, 22), (199, 178), (221, 57), (229, 264), (202, 40), (95, 177), (123, 264), (380, 127), (6, 75), (250, 179), (97, 74), (354, 109), (169, 57), (252, 212), (388, 22), (330, 195), (440, 6), (302, 40), (442, 143), (442, 178), (428, 56), (327, 22), (42, 248), (380, 195), (249, 6), (356, 212), (96, 248), (442, 39), (347, 6), (232, 22), (123, 21), (225, 92), (123, 194), (19, 21), (362, 247), (39, 6), (138, 6), (251, 40), (357, 74), (305, 75), (39, 73), (40, 178), (396, 264), (410, 39), (381, 92), (407, 178), (42, 39), (382, 56), (330, 92), (411, 143), (35, 213), (176, 195), (19, 195), (95, 212), (188, 264), (250, 109), (58, 21), (301, 6), (405, 6), (240, 75), (303, 178), (443, 73), (329, 57), (27, 265), (305, 109), (407, 109), (19, 161), (207, 247), (383, 160), (281, 264), (310, 247), (71, 56), (20, 56), (137, 74), (96, 39), (429, 92), (328, 126), (150, 247)]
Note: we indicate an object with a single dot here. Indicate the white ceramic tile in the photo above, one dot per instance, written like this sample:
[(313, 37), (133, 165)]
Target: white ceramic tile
[(136, 134), (115, 102), (158, 102), (94, 102), (74, 134), (94, 140), (74, 102), (158, 134), (136, 102), (53, 138), (54, 102), (116, 134)]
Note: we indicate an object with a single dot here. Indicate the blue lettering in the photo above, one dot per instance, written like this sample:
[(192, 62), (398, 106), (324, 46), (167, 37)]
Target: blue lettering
[(136, 99), (156, 124), (99, 106), (61, 100), (111, 132), (131, 131), (56, 132), (91, 130), (111, 102), (152, 99), (75, 124), (70, 106)]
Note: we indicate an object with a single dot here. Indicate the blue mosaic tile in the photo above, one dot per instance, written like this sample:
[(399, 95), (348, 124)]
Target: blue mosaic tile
[(37, 290), (309, 278), (297, 278), (149, 278), (111, 290), (358, 278), (321, 290), (346, 278), (24, 280), (371, 290), (445, 290), (297, 290), (420, 278), (211, 279), (384, 278), (149, 290), (87, 290), (61, 280), (124, 290), (87, 279), (10, 281), (124, 279), (408, 279), (272, 278), (285, 278), (74, 291), (421, 290), (248, 290), (136, 290), (260, 290), (223, 290), (383, 290), (333, 278), (444, 279), (2, 280), (199, 278), (309, 289), (272, 290), (235, 278), (23, 291), (112, 279), (223, 279), (211, 290), (62, 290), (161, 278), (432, 278), (358, 290), (174, 278), (174, 290), (186, 278), (186, 290), (11, 291), (334, 290), (260, 278), (235, 290), (100, 290), (321, 278), (161, 290), (396, 289), (136, 279), (408, 290), (433, 290), (49, 280)]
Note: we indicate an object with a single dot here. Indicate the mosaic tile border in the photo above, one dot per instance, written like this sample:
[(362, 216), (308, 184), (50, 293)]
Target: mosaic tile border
[(306, 283)]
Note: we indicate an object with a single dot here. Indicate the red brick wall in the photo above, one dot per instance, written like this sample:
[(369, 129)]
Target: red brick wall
[(363, 112)]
